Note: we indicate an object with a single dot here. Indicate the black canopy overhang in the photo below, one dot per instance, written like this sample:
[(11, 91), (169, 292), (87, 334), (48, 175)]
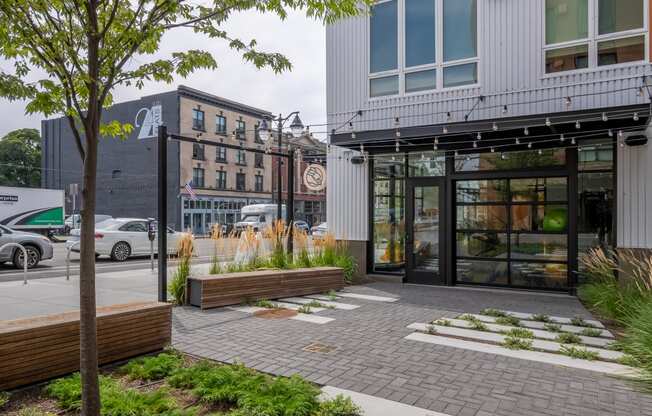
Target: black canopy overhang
[(461, 135)]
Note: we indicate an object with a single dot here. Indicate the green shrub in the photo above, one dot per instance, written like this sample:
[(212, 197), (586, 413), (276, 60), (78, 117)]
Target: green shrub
[(339, 406), (581, 353), (177, 286), (430, 329), (541, 318), (332, 295), (508, 320), (153, 368), (264, 303), (305, 309), (190, 377), (514, 343), (579, 321), (591, 332), (442, 322), (637, 340), (476, 323), (4, 398), (292, 396), (629, 361), (33, 411), (496, 313), (552, 327), (216, 267), (519, 333), (568, 338)]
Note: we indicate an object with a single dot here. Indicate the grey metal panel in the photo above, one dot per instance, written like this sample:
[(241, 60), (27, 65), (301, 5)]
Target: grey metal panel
[(511, 71), (347, 196)]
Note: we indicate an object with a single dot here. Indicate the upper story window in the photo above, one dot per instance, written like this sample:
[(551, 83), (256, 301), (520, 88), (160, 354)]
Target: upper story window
[(259, 161), (240, 181), (197, 119), (198, 177), (590, 33), (241, 157), (240, 129), (258, 185), (220, 179), (220, 124), (220, 153), (198, 151), (419, 45)]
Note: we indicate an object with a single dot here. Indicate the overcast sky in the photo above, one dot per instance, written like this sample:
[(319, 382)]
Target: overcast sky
[(301, 39)]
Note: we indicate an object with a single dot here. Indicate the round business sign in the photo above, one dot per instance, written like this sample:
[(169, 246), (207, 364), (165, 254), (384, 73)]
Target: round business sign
[(314, 177)]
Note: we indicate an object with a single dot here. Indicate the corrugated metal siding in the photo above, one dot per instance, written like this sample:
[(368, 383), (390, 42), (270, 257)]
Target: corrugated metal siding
[(347, 196), (511, 71), (634, 199)]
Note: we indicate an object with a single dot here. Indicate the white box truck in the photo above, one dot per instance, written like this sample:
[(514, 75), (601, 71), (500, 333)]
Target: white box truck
[(33, 209), (258, 217)]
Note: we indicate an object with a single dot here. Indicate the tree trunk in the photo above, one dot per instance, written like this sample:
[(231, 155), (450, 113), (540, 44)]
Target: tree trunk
[(87, 303)]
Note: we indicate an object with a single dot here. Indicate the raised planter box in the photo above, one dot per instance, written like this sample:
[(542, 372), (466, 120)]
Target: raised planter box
[(235, 288), (45, 347)]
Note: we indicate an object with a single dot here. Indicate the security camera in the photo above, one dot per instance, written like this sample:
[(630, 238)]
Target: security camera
[(636, 138)]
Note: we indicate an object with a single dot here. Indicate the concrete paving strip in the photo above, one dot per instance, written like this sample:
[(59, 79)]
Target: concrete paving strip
[(313, 319), (541, 325), (376, 406), (542, 357), (555, 319), (366, 297), (247, 309), (295, 307), (538, 333), (323, 297), (473, 334), (335, 305)]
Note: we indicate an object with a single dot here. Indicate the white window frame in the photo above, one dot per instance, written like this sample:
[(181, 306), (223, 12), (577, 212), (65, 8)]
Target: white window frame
[(593, 39), (438, 65)]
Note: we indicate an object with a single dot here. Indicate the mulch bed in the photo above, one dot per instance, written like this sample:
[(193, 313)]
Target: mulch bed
[(275, 314)]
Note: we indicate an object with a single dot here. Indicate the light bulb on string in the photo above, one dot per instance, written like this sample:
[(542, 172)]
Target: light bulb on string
[(456, 153), (635, 118), (579, 148), (398, 147), (622, 143), (423, 156), (495, 126), (361, 148), (610, 133), (475, 144), (445, 130), (353, 135), (518, 141), (605, 118), (578, 125), (468, 158), (479, 136), (573, 140), (548, 122), (539, 152), (398, 133), (526, 131), (503, 156), (620, 134), (562, 138), (529, 145), (493, 150)]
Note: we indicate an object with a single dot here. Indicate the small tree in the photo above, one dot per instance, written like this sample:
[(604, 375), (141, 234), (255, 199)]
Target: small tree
[(20, 158), (84, 48)]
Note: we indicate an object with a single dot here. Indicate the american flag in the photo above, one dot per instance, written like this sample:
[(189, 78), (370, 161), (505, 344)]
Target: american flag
[(190, 191)]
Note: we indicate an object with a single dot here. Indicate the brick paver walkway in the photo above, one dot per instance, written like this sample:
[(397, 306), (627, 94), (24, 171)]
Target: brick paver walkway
[(372, 357)]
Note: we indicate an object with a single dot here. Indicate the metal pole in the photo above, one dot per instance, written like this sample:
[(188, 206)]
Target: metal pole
[(290, 205), (279, 180), (162, 213)]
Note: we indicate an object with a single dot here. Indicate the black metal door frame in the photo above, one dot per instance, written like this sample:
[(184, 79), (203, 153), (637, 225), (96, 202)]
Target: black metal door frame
[(412, 275)]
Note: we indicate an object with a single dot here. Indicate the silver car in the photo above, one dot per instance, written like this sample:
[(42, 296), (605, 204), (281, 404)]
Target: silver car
[(38, 247)]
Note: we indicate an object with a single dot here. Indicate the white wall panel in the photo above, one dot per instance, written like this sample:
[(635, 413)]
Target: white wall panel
[(347, 196)]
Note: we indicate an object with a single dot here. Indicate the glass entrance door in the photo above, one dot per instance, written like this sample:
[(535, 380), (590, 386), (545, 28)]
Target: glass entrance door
[(425, 236)]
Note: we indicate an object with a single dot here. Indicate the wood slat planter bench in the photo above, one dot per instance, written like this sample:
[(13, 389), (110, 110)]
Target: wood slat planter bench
[(45, 347), (235, 288)]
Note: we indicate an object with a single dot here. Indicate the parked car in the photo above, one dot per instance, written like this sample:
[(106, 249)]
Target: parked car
[(319, 231), (121, 238), (74, 221), (302, 226), (38, 247)]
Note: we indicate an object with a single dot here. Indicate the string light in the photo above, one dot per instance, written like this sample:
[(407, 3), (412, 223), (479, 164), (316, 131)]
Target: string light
[(502, 156), (479, 136), (493, 150), (398, 133), (495, 126), (610, 133), (475, 144), (620, 134), (562, 138), (529, 145), (353, 135), (635, 118), (578, 125), (539, 152), (548, 122), (579, 149), (445, 130), (604, 117), (398, 147), (468, 158), (573, 140), (526, 131), (456, 153), (518, 141), (361, 148)]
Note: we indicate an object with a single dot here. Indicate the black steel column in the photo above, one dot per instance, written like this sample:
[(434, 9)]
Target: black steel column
[(279, 180), (162, 213), (572, 162), (290, 205)]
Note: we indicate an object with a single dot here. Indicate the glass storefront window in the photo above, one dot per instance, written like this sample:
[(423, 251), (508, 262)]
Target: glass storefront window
[(596, 158), (540, 275), (482, 191), (547, 218), (422, 164), (481, 217), (482, 272), (482, 244), (510, 161), (539, 189), (389, 225), (389, 166), (553, 247)]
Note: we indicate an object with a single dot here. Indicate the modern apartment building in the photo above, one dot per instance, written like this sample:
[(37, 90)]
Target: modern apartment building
[(224, 180), (490, 142)]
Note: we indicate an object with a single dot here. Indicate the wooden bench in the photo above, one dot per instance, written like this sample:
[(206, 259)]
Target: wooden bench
[(235, 288), (45, 347)]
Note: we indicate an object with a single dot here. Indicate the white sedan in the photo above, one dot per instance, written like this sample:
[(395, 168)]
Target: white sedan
[(121, 238)]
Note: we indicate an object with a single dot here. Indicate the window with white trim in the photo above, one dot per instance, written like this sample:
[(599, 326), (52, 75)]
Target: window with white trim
[(582, 34), (421, 45)]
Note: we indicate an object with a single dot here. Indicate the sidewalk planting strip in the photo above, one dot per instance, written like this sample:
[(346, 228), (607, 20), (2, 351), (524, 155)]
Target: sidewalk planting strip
[(376, 406), (538, 333), (366, 297), (541, 325), (555, 319), (537, 344), (542, 357), (295, 307), (335, 305), (304, 317)]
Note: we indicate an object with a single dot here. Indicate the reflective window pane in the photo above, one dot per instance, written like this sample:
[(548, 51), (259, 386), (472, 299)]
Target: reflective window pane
[(389, 225), (488, 245), (566, 20), (379, 87), (539, 189), (482, 191), (420, 81), (419, 32), (426, 229), (510, 161), (567, 59), (384, 37), (389, 166), (460, 29), (552, 247), (595, 210), (540, 275), (483, 272), (482, 217), (620, 15), (547, 218), (596, 158), (621, 50), (426, 164), (458, 75)]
